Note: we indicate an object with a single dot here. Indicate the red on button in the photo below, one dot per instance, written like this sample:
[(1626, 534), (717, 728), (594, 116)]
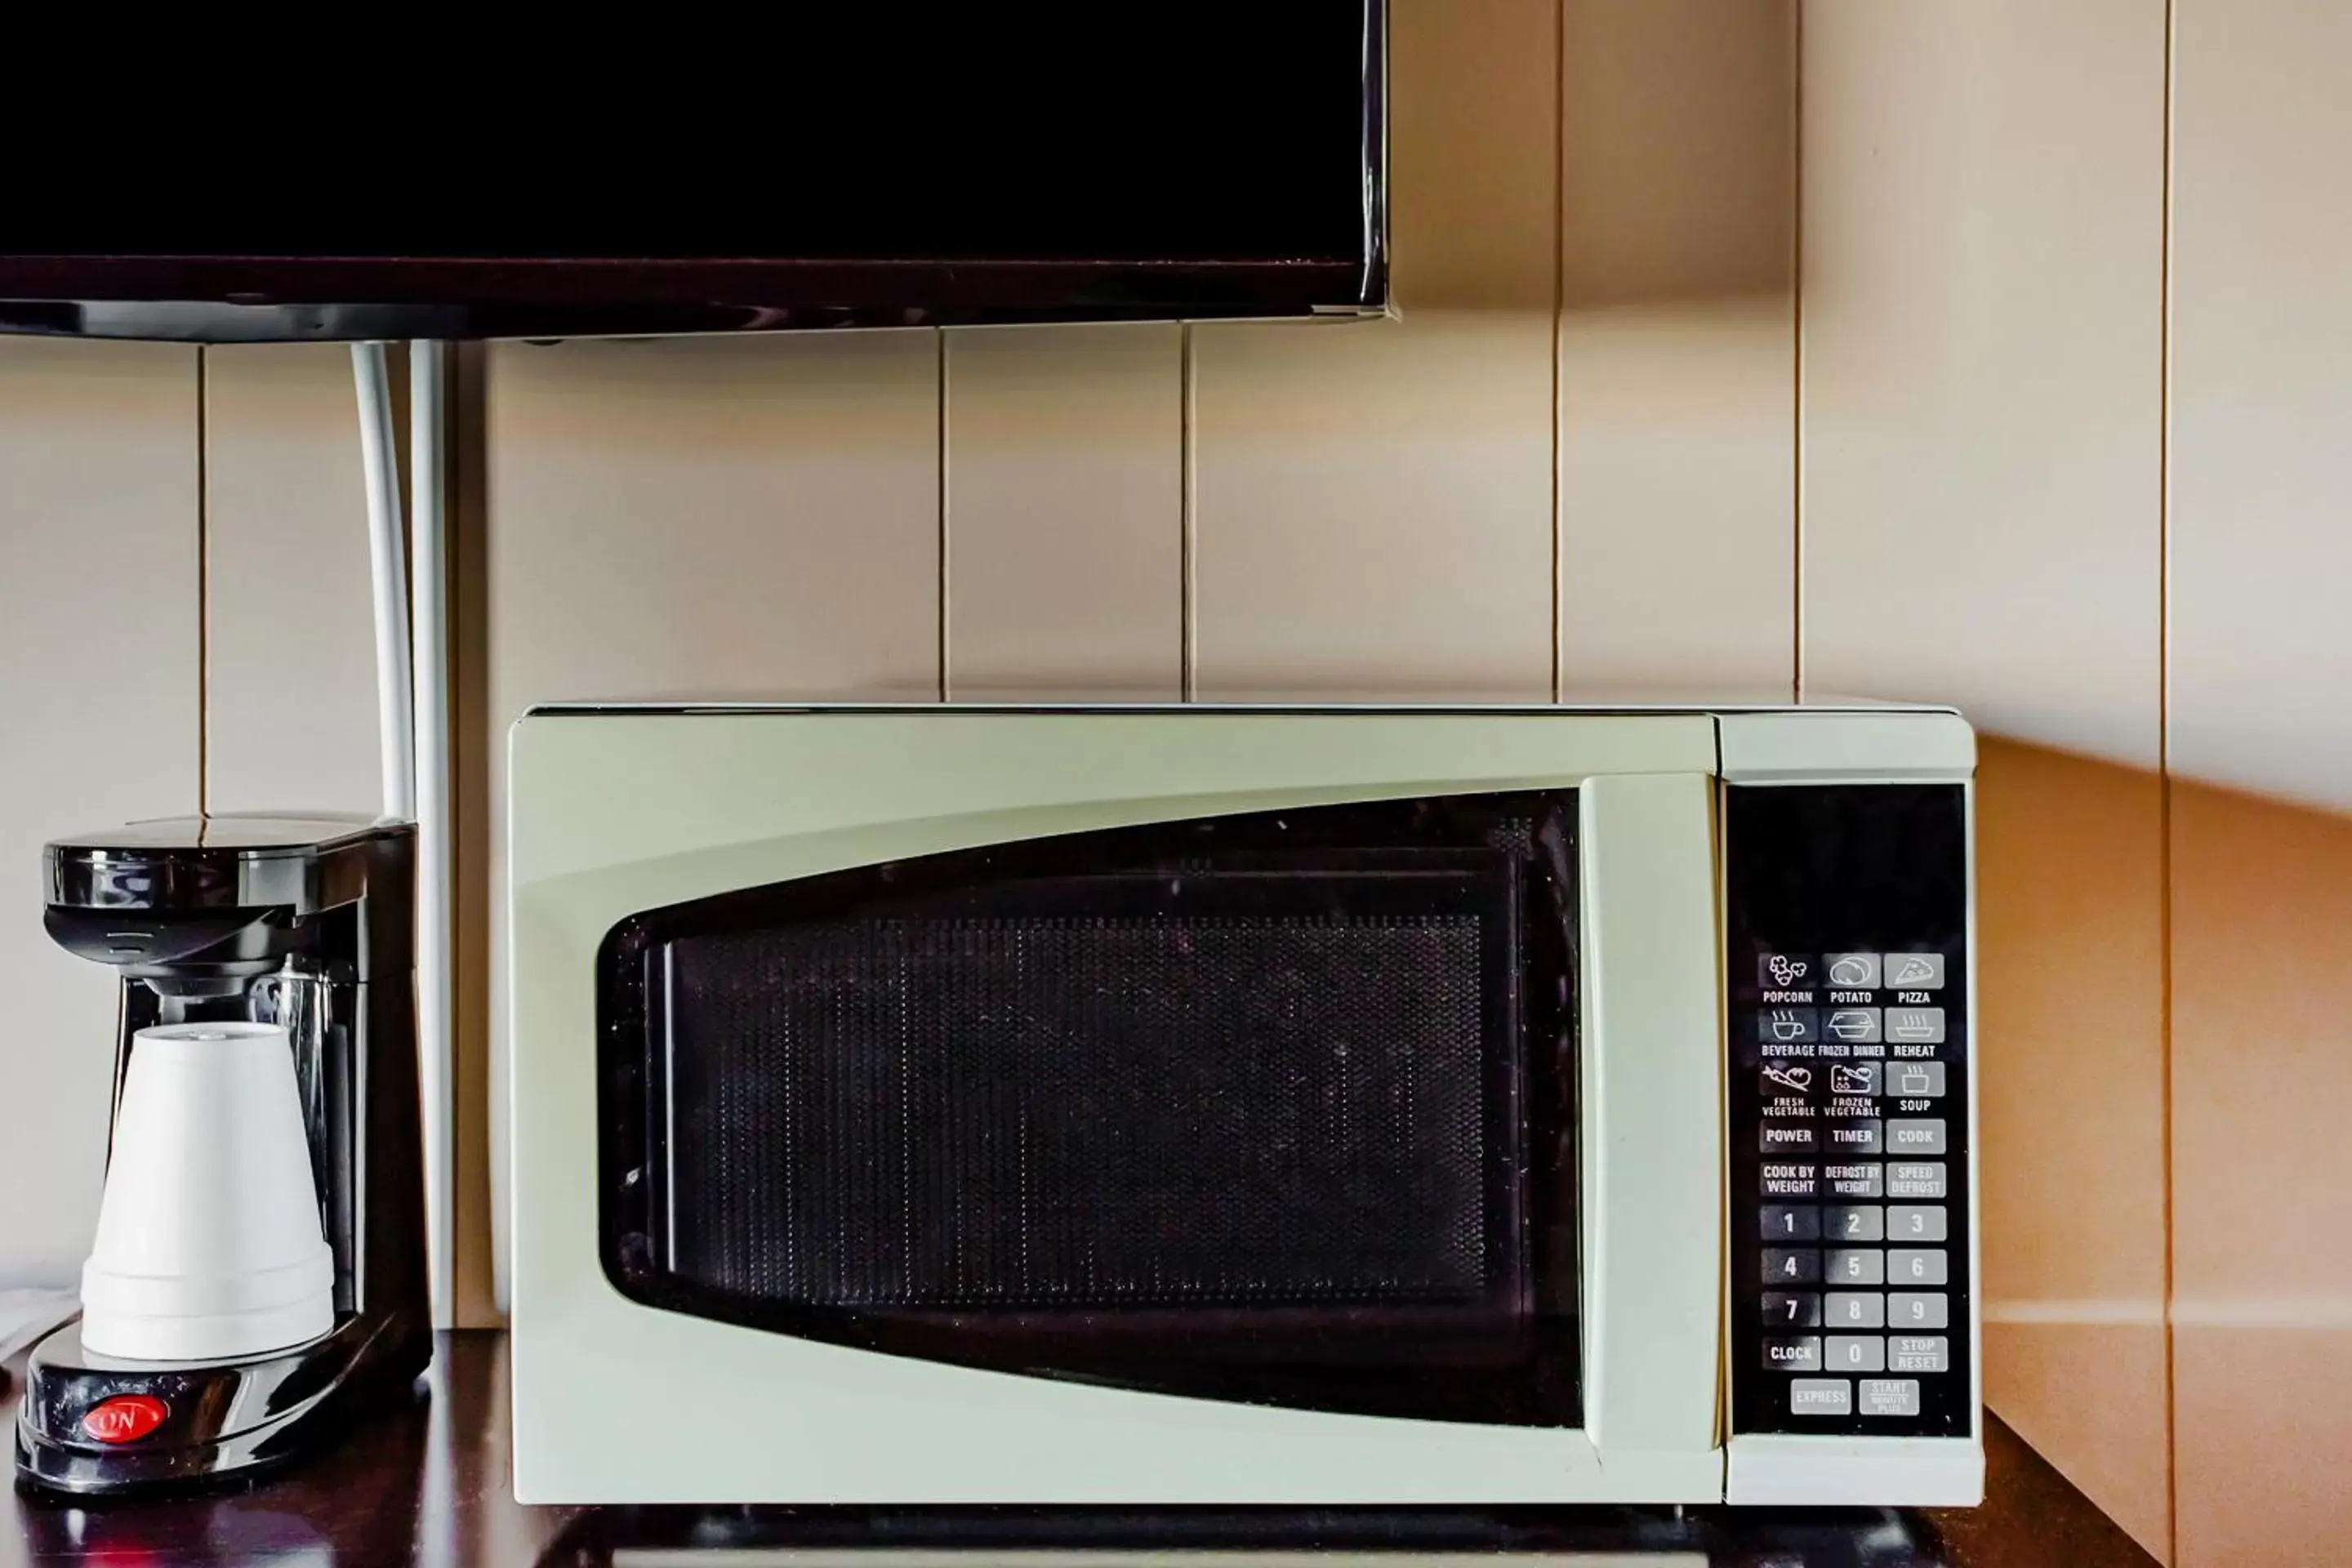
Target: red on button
[(125, 1418)]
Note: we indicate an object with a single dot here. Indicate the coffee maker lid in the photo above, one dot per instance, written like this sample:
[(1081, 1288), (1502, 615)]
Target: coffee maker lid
[(249, 832), (222, 860)]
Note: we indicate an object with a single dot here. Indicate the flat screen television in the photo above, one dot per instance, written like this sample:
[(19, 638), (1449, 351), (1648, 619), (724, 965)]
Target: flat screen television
[(1015, 163)]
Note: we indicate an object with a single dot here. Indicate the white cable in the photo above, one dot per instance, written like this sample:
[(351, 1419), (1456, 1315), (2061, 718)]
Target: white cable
[(387, 571), (429, 596)]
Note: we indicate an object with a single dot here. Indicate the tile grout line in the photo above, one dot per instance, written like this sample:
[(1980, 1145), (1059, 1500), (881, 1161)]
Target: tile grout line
[(2164, 794), (204, 585), (1188, 544), (939, 370), (1797, 354), (1559, 346)]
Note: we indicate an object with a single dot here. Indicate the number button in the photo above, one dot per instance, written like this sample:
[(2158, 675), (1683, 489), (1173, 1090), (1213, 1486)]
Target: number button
[(1854, 1224), (1858, 1266), (1785, 1309), (1783, 1222), (1856, 1352), (1909, 1224), (1911, 1310), (1924, 1267), (1791, 1266), (1857, 1309)]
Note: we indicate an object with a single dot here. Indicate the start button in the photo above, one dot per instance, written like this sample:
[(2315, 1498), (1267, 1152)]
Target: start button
[(125, 1418)]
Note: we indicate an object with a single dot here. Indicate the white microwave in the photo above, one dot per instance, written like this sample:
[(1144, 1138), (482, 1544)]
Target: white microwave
[(1190, 1105)]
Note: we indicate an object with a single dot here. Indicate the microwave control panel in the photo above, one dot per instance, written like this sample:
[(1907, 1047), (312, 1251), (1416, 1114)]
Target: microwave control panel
[(1852, 1294)]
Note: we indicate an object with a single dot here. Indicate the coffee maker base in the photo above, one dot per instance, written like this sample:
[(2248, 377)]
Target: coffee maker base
[(93, 1426)]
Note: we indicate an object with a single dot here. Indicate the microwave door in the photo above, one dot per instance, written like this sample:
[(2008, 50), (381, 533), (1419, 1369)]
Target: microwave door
[(1277, 1106)]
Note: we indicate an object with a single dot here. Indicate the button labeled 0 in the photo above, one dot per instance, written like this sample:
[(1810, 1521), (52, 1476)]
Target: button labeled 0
[(125, 1418)]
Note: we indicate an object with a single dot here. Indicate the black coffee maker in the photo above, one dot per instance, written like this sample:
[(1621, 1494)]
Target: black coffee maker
[(304, 923)]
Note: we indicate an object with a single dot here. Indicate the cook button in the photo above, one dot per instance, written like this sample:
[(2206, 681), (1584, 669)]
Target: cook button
[(125, 1418)]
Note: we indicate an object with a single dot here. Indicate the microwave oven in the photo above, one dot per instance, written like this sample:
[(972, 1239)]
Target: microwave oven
[(1190, 1105)]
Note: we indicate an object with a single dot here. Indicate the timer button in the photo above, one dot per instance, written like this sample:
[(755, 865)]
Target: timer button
[(125, 1418)]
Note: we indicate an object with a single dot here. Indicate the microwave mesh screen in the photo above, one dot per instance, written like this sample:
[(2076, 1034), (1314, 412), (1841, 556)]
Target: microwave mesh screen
[(1082, 1113)]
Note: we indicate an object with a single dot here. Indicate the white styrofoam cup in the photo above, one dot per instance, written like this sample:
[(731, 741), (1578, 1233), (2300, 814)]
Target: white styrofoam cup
[(208, 1239)]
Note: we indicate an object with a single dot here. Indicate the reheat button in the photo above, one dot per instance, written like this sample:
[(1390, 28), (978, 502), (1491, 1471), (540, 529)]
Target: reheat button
[(125, 1418)]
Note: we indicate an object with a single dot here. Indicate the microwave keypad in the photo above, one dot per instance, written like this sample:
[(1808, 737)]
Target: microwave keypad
[(1849, 1121)]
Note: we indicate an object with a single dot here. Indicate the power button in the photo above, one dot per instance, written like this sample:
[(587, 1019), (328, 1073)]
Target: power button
[(125, 1418)]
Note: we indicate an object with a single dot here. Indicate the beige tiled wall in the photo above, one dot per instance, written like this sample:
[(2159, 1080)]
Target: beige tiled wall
[(1744, 341)]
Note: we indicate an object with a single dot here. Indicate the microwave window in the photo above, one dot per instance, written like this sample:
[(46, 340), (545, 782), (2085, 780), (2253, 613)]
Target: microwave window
[(1275, 1106)]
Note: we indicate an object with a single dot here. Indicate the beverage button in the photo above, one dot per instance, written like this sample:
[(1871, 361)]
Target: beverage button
[(1915, 1137), (1793, 1352), (1784, 1222), (1919, 1353), (1915, 972), (1856, 1352), (1890, 1396), (1821, 1396), (1788, 1025), (1851, 971), (1788, 1137)]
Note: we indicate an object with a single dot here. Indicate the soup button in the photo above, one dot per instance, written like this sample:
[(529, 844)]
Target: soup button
[(125, 1418)]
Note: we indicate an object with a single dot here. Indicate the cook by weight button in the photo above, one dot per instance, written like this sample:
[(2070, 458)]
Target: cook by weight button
[(1821, 1396), (1791, 1181), (1788, 1137), (1785, 1222), (1793, 1352), (1916, 1138)]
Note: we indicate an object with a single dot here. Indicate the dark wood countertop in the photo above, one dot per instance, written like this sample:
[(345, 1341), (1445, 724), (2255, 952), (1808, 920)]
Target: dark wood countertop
[(429, 1485)]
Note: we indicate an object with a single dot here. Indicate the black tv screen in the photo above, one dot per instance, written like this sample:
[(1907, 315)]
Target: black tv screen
[(904, 167)]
